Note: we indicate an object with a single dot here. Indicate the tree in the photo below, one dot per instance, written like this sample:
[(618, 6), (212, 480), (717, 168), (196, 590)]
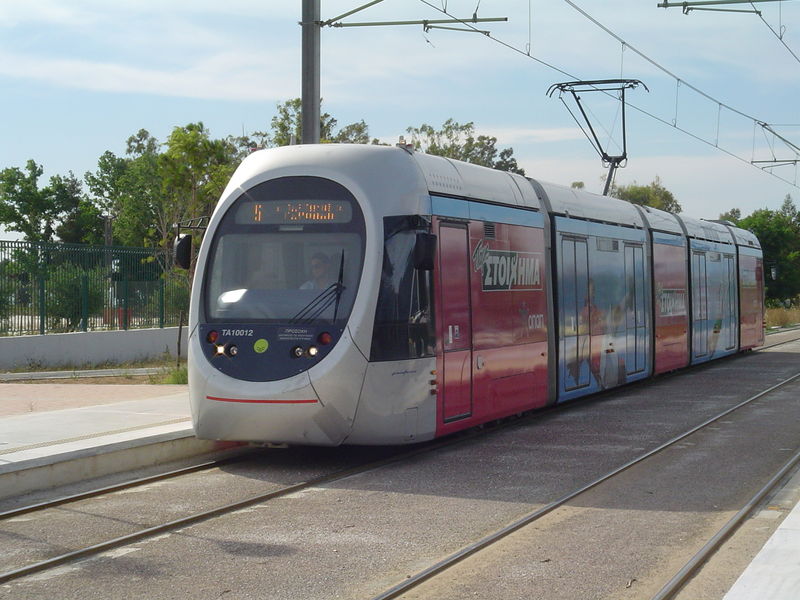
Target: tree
[(733, 215), (354, 133), (458, 141), (289, 122), (139, 192), (106, 183), (195, 170), (82, 225), (32, 211), (779, 234), (654, 195)]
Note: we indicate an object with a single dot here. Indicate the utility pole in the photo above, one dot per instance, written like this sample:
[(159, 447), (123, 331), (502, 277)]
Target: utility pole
[(312, 24), (310, 108)]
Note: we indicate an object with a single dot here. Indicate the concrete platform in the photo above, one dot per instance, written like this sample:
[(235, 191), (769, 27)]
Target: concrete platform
[(774, 573), (56, 434)]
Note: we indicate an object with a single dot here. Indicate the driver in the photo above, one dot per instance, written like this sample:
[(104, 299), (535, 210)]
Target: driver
[(319, 267)]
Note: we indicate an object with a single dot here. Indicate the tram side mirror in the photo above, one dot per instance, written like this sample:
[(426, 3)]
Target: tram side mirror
[(424, 251), (183, 251)]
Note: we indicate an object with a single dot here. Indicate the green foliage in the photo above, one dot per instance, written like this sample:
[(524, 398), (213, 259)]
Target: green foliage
[(653, 194), (136, 206), (173, 376), (289, 122), (194, 171), (177, 289), (82, 225), (779, 234), (733, 215), (33, 211), (107, 183), (66, 291), (458, 141)]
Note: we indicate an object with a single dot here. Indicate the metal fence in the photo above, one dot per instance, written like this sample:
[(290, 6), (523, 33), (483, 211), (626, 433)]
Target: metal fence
[(56, 288)]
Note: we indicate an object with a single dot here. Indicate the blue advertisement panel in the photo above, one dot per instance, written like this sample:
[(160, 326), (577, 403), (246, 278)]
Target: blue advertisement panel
[(603, 307), (714, 300)]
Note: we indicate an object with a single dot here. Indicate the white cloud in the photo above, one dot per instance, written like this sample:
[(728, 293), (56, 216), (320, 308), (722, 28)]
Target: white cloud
[(228, 76), (512, 135)]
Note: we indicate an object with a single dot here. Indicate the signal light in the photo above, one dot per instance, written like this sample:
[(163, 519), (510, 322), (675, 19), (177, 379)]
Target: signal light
[(297, 352), (233, 350), (324, 338), (212, 336)]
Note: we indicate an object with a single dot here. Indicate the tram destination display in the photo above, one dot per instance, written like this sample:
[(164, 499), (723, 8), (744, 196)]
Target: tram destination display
[(300, 212)]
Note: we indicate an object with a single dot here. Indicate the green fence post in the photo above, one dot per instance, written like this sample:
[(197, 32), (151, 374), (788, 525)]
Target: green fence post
[(125, 304), (41, 305), (84, 302), (161, 285)]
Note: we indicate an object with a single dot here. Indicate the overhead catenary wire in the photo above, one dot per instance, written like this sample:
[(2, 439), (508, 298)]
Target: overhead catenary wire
[(682, 82), (776, 34)]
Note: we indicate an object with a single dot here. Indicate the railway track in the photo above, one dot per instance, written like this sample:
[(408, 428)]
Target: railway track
[(671, 587), (327, 478), (394, 455)]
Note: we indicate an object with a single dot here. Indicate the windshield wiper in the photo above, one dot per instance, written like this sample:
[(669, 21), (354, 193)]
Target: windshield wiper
[(323, 300), (339, 287)]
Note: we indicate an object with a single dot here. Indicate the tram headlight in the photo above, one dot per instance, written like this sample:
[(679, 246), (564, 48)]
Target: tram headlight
[(297, 352), (312, 351), (233, 350)]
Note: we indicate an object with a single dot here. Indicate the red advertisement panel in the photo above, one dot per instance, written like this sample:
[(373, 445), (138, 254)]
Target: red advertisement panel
[(508, 324), (671, 307), (751, 298)]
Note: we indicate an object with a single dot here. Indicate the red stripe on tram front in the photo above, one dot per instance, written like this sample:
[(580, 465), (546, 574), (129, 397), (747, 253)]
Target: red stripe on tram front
[(246, 401)]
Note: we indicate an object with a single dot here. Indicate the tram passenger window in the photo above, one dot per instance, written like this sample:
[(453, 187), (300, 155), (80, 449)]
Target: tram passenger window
[(404, 325)]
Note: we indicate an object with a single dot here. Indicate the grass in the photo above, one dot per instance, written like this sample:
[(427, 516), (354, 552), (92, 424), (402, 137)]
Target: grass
[(172, 375), (164, 361), (782, 317)]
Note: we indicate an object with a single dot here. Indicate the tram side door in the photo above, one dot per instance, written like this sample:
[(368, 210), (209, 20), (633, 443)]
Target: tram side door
[(635, 320), (699, 304), (455, 321)]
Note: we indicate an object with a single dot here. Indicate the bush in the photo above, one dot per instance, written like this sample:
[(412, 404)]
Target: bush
[(67, 288)]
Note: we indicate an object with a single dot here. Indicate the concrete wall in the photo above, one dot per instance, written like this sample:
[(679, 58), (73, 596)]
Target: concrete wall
[(90, 348)]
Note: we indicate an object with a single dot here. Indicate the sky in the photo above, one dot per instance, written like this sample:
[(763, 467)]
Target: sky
[(78, 78)]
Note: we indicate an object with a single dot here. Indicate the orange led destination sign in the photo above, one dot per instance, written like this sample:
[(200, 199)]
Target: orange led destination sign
[(300, 212)]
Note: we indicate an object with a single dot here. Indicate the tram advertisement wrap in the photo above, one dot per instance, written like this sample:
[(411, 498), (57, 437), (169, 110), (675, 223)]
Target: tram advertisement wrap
[(503, 270)]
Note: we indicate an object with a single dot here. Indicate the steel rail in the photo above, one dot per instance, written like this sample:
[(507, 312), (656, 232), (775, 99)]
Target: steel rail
[(451, 560), (15, 512), (183, 522), (674, 585), (55, 561)]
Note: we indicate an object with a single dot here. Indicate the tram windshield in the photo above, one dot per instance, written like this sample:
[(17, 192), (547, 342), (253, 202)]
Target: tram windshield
[(289, 251)]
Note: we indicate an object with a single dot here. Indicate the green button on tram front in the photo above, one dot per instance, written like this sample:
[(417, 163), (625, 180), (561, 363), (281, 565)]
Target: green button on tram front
[(260, 345)]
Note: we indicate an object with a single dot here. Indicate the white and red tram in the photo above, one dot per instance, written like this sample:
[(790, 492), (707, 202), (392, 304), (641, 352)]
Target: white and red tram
[(373, 295)]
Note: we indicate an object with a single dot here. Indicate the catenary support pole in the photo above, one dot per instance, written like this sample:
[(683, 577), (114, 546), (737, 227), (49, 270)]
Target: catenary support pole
[(311, 56)]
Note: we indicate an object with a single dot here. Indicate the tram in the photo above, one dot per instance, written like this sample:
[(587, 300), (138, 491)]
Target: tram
[(356, 294)]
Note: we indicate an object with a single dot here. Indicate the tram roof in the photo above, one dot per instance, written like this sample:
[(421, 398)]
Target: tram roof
[(572, 203)]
